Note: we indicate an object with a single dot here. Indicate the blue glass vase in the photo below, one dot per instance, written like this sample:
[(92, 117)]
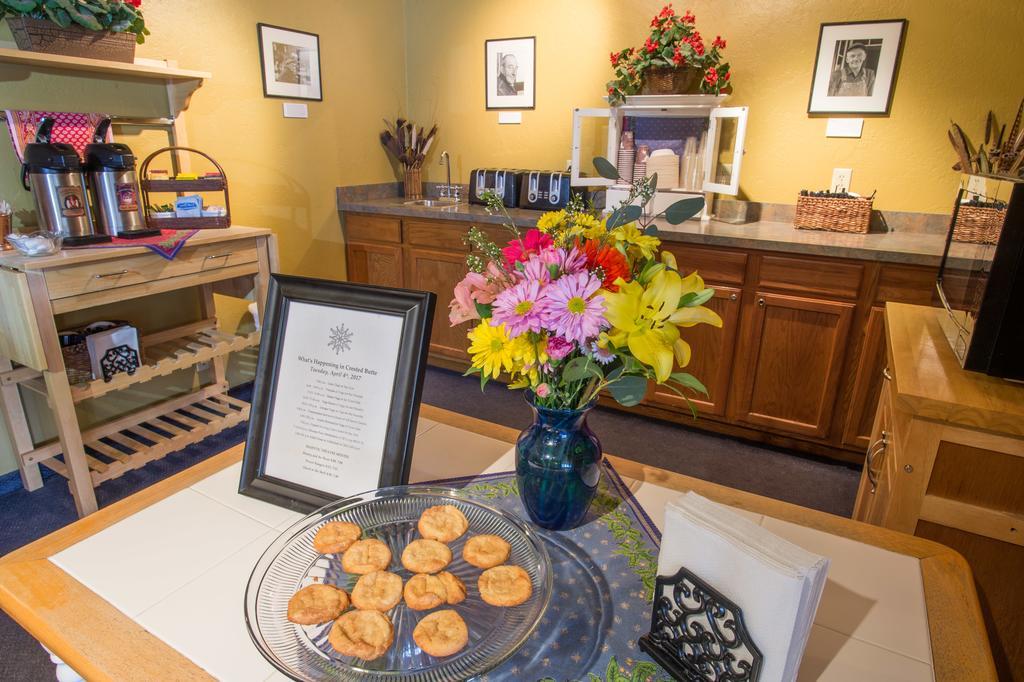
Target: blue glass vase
[(558, 466)]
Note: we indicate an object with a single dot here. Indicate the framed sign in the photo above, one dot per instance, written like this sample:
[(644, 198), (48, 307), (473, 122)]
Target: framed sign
[(510, 68), (337, 391), (855, 70), (290, 63)]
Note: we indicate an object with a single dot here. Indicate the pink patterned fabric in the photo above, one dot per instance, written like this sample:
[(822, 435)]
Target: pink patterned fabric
[(69, 128)]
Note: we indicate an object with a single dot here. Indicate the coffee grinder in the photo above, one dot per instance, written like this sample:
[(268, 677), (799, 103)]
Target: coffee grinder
[(114, 187), (52, 171)]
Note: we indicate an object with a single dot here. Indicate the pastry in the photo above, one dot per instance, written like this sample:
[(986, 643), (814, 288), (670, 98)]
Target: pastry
[(424, 591), (505, 586), (441, 633), (425, 556), (486, 551), (335, 537), (443, 523), (317, 603), (363, 634), (366, 556), (454, 589), (377, 591)]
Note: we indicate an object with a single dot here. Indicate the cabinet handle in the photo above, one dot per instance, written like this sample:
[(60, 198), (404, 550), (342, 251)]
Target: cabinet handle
[(886, 374), (760, 302), (733, 297), (116, 274), (220, 255), (876, 449)]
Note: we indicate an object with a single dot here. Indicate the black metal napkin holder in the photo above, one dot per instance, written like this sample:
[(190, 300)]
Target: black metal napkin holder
[(698, 635)]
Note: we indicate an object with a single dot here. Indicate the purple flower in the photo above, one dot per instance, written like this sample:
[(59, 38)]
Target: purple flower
[(521, 308), (568, 262), (535, 270), (570, 312), (558, 347), (601, 355)]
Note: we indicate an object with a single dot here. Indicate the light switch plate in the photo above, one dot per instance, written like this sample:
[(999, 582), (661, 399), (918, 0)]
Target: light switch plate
[(844, 127), (510, 117), (841, 179), (295, 110)]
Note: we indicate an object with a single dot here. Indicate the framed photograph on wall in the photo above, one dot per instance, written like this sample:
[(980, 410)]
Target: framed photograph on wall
[(510, 67), (337, 391), (855, 69), (289, 62)]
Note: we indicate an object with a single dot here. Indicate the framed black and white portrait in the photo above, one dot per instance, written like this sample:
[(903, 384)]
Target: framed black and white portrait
[(510, 65), (855, 70), (337, 391), (290, 63)]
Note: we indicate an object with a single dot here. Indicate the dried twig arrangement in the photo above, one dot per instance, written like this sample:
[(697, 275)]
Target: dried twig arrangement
[(407, 143), (999, 154)]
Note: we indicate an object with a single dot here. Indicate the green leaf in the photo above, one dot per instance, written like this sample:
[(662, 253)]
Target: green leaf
[(651, 231), (581, 369), (684, 210), (85, 18), (21, 5), (628, 391), (689, 381), (483, 310), (58, 16), (606, 168), (624, 215), (696, 298)]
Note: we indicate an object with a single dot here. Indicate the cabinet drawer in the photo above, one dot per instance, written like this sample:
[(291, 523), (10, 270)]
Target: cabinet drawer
[(445, 236), (88, 278), (831, 279), (374, 228), (713, 265)]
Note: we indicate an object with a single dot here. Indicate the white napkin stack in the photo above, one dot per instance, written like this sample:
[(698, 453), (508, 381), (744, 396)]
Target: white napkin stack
[(776, 584)]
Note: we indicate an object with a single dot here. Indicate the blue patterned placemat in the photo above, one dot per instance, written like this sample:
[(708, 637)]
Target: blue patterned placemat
[(604, 576)]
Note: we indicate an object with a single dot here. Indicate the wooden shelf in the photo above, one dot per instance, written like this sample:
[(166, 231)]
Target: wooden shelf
[(154, 436), (152, 71), (170, 356), (178, 186)]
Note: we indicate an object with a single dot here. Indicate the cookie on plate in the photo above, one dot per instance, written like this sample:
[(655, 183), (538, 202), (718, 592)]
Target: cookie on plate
[(377, 591), (426, 556), (336, 536), (442, 633), (363, 634), (454, 589), (423, 591), (486, 551), (366, 556), (317, 603), (443, 523), (505, 586)]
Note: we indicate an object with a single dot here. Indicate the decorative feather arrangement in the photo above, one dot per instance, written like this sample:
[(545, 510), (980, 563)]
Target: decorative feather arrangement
[(407, 143), (999, 154)]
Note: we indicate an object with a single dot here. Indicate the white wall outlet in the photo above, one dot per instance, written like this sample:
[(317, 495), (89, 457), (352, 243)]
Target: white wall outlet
[(295, 110), (841, 179)]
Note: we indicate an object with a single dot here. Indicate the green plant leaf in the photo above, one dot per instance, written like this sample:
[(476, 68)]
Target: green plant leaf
[(689, 381), (21, 5), (483, 310), (58, 16), (606, 168), (581, 369), (624, 215), (684, 209), (651, 231), (85, 18), (696, 298), (629, 391)]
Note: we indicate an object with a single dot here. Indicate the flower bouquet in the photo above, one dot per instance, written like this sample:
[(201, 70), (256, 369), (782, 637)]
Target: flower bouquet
[(579, 305)]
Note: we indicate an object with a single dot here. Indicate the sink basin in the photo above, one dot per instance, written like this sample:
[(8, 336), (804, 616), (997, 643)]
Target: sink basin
[(433, 203)]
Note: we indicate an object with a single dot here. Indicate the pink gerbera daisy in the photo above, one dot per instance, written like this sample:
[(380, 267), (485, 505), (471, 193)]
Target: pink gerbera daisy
[(521, 308), (571, 312), (568, 261), (534, 241)]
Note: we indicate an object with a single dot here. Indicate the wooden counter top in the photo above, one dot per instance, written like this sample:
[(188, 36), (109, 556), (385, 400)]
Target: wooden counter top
[(930, 383)]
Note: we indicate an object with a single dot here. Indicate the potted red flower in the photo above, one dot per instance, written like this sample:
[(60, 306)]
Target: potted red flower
[(670, 61), (100, 29)]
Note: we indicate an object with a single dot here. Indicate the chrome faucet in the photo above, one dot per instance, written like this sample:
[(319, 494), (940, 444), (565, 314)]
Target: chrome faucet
[(448, 190)]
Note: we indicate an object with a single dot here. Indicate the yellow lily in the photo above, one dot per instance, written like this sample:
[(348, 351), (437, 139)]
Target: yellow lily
[(636, 241)]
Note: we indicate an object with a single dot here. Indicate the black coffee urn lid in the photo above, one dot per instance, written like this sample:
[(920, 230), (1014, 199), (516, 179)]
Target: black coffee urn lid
[(102, 155), (43, 156)]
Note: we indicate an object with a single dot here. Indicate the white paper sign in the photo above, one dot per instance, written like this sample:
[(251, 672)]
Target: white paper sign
[(333, 398)]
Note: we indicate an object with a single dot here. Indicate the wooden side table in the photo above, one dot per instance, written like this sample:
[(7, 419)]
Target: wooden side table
[(34, 292)]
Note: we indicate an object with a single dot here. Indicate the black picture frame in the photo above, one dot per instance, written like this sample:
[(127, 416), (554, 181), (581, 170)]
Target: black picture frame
[(488, 72), (260, 28), (417, 310), (816, 82)]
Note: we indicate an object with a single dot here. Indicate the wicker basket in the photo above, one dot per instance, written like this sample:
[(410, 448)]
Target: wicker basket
[(413, 183), (978, 224), (41, 35), (835, 215), (662, 80), (77, 363)]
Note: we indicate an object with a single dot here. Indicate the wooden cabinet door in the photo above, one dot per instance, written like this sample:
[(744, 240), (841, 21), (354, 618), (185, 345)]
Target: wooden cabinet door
[(867, 382), (712, 357), (875, 494), (440, 271), (379, 264), (792, 349)]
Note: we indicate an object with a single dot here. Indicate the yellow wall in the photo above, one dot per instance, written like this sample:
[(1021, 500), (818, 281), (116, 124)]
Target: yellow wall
[(959, 60)]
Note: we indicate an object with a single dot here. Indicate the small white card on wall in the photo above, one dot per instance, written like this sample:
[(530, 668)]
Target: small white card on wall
[(510, 117), (844, 127)]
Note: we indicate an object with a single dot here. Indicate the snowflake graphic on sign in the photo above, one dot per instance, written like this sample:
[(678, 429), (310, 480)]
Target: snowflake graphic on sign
[(341, 339)]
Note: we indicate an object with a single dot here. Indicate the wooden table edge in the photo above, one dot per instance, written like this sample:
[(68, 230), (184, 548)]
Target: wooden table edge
[(28, 580)]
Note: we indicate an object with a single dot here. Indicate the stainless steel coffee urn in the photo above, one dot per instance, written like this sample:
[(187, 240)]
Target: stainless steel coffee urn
[(114, 187), (53, 173)]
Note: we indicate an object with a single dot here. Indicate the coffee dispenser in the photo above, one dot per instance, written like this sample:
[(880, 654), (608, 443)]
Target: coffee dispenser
[(114, 187), (53, 173)]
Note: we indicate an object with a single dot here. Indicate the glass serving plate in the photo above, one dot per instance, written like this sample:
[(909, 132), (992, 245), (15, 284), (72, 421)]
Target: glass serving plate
[(390, 515)]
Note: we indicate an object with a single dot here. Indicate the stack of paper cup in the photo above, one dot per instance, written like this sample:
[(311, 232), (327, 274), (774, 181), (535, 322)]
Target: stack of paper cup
[(640, 164), (627, 155)]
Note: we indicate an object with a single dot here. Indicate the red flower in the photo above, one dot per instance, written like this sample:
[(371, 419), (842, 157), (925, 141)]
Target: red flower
[(688, 18), (521, 249), (609, 260), (667, 11), (611, 91), (718, 42), (135, 3), (677, 58), (711, 76), (614, 58), (650, 45), (726, 76)]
